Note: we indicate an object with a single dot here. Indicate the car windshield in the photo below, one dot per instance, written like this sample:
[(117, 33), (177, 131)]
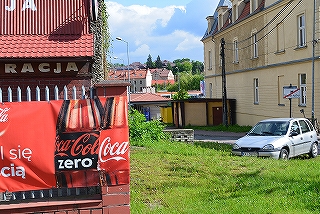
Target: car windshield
[(270, 128)]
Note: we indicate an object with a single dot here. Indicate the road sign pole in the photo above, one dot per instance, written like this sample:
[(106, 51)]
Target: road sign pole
[(290, 106)]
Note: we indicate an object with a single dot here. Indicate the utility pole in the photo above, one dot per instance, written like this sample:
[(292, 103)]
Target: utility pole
[(224, 88), (314, 43)]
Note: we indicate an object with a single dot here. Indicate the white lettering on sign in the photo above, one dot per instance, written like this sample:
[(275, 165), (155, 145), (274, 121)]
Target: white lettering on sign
[(43, 68), (28, 4), (58, 69), (13, 171), (16, 154), (75, 164), (72, 67), (10, 68), (112, 151), (27, 67)]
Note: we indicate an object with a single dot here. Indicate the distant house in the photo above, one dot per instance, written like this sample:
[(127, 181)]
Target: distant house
[(142, 78), (161, 76), (149, 104)]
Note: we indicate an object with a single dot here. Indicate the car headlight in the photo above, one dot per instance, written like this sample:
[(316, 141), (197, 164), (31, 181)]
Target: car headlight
[(268, 147), (235, 146)]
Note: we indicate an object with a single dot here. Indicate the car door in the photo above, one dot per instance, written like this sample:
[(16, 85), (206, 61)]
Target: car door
[(296, 139), (306, 137)]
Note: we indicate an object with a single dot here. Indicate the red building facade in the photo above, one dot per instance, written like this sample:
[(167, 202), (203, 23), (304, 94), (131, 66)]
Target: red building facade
[(45, 43), (49, 44)]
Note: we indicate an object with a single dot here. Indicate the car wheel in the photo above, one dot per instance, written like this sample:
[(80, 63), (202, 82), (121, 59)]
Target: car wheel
[(284, 154), (314, 150)]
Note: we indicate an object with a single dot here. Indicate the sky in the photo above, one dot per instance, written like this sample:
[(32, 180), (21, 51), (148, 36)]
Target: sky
[(171, 29)]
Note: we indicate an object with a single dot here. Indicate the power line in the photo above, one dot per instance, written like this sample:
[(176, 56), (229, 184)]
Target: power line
[(270, 22)]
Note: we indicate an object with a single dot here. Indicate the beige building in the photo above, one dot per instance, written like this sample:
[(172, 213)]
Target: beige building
[(269, 45)]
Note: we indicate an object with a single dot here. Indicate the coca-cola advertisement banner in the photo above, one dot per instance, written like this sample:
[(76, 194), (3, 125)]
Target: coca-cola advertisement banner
[(70, 143)]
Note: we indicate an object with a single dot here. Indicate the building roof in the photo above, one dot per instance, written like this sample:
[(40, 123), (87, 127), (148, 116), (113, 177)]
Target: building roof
[(46, 46), (111, 83), (161, 82), (147, 97), (245, 13), (123, 74)]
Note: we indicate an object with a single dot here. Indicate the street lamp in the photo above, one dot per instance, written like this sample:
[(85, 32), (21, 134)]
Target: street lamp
[(124, 77), (129, 90)]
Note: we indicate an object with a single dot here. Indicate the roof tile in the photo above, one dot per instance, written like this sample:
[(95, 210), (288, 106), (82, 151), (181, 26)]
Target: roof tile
[(144, 97), (44, 46)]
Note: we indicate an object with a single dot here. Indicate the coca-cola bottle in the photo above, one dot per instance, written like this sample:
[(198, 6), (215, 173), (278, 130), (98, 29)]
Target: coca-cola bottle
[(114, 142), (77, 143)]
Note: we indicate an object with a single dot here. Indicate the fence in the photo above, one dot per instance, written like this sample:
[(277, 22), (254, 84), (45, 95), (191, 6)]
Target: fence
[(56, 94), (56, 193)]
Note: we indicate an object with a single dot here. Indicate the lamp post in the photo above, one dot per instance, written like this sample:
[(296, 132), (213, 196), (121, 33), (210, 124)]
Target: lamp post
[(124, 77), (129, 90)]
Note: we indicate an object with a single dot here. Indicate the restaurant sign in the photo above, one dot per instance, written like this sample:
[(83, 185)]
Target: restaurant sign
[(47, 69)]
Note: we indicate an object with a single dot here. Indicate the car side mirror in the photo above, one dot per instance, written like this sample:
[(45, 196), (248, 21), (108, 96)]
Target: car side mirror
[(293, 133)]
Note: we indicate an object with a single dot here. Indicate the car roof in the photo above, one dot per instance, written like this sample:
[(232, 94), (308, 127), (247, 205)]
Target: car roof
[(281, 119)]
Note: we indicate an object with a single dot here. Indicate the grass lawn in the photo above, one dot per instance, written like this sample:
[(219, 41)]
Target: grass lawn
[(172, 177)]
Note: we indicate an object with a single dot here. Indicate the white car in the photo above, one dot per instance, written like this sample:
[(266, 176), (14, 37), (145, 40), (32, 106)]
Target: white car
[(279, 138)]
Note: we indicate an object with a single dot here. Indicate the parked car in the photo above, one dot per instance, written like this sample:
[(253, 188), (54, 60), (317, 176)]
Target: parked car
[(279, 138)]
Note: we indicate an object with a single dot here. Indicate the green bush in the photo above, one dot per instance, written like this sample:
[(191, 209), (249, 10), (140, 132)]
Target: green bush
[(142, 131)]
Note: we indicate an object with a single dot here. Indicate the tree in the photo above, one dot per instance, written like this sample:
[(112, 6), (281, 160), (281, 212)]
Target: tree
[(181, 95), (101, 33), (158, 62), (186, 81), (185, 66), (150, 63), (197, 67), (169, 67)]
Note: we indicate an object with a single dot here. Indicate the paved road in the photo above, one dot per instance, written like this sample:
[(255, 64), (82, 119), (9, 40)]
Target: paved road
[(217, 136), (222, 137)]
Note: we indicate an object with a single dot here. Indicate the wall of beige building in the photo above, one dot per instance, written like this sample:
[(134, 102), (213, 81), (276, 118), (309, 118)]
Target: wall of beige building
[(280, 62), (240, 86)]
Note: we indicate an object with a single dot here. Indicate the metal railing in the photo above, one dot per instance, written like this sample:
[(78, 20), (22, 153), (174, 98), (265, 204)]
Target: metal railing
[(56, 94)]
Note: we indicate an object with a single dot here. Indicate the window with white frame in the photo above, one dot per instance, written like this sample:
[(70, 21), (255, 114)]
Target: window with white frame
[(235, 51), (303, 89), (210, 90), (254, 45), (256, 90), (210, 59), (301, 31)]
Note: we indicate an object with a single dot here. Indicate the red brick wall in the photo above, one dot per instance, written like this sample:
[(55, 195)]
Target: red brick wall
[(114, 200)]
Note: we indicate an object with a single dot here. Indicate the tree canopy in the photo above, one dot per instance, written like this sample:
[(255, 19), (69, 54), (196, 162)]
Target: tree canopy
[(150, 63), (158, 62)]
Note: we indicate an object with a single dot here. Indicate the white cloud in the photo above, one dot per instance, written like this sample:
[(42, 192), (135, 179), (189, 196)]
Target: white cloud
[(188, 41), (138, 19), (141, 51), (147, 32)]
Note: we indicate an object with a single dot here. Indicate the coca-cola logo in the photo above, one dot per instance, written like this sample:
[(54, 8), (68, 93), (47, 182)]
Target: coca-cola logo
[(112, 151), (77, 150), (85, 144), (4, 118)]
